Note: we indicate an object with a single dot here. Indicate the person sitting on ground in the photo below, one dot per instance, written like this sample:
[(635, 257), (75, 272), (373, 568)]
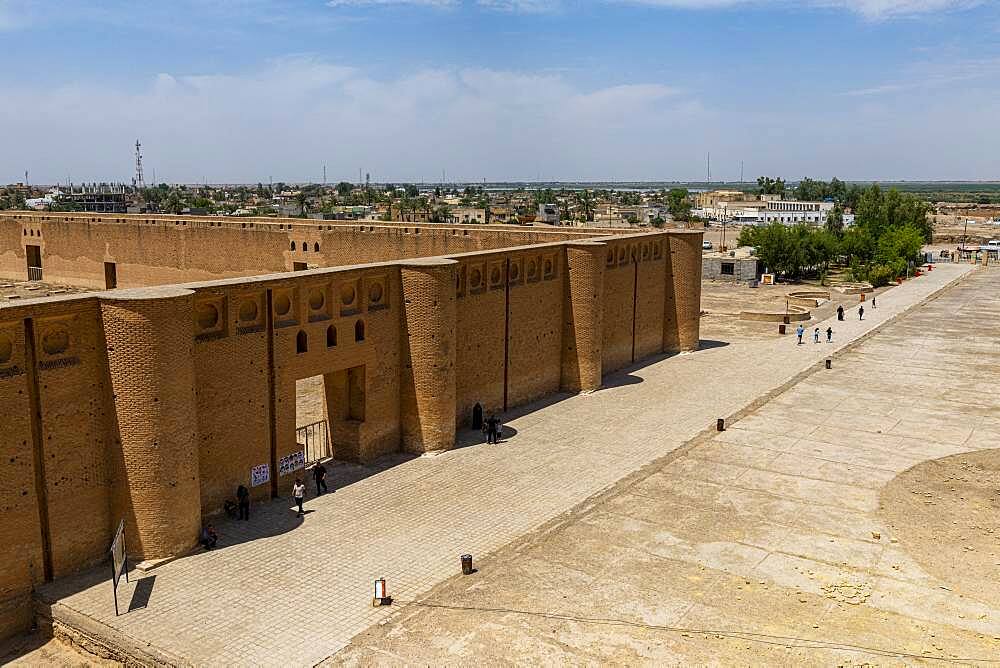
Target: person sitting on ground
[(209, 537)]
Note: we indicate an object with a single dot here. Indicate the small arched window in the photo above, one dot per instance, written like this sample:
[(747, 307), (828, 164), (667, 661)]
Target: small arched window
[(293, 245), (316, 247), (359, 330), (305, 246), (331, 336), (301, 342)]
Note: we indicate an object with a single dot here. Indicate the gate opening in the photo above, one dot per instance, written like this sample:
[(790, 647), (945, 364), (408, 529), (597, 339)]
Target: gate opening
[(330, 413), (33, 254)]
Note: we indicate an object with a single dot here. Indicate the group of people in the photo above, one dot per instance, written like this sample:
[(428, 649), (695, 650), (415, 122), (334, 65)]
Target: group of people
[(492, 429), (800, 332)]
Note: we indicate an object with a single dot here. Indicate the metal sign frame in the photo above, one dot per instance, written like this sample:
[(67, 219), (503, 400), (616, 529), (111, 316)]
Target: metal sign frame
[(119, 560)]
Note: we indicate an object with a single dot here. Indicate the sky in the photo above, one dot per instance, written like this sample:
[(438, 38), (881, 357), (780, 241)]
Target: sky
[(465, 90)]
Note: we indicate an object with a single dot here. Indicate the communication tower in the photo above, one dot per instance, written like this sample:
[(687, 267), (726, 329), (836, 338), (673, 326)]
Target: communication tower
[(137, 180)]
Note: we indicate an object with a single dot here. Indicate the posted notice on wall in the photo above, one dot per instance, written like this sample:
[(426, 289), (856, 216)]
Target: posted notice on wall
[(260, 474), (292, 462)]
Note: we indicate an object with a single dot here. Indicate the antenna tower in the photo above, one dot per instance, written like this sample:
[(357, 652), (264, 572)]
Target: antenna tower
[(138, 181)]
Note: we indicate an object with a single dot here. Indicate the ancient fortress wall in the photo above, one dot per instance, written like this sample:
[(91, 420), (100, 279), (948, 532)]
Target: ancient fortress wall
[(153, 404)]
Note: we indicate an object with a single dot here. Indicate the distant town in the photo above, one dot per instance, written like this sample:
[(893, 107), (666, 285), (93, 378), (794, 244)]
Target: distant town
[(766, 201)]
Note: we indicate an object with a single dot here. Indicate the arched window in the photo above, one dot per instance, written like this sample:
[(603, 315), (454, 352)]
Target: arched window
[(301, 342), (305, 246), (331, 336), (293, 245), (316, 247), (359, 330)]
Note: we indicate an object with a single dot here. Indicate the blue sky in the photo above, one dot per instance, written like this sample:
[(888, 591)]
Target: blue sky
[(244, 90)]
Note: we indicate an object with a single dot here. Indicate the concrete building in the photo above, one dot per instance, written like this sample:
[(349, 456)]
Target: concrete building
[(467, 215), (738, 267), (151, 403), (548, 213), (794, 212)]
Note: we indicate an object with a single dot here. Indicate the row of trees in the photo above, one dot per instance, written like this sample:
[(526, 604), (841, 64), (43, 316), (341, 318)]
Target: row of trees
[(889, 232)]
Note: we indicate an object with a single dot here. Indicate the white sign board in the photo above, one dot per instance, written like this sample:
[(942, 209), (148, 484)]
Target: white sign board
[(291, 462), (260, 474)]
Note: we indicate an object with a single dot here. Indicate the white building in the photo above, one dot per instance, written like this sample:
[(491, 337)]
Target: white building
[(792, 213), (466, 215)]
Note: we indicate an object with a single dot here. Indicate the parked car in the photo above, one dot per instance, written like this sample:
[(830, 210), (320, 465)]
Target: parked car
[(706, 245)]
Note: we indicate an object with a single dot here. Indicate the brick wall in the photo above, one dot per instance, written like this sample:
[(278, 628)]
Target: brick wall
[(153, 404)]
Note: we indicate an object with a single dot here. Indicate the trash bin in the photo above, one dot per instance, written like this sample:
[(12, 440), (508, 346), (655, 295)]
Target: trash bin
[(466, 564), (781, 329)]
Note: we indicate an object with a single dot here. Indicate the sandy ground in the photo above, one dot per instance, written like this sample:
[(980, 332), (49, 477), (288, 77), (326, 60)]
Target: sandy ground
[(31, 650), (11, 291), (946, 515)]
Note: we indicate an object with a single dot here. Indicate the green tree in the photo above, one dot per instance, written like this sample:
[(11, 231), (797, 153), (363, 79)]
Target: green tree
[(585, 199), (835, 220), (768, 186), (344, 188), (679, 204)]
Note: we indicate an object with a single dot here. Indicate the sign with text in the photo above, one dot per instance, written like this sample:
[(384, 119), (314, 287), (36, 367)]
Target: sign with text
[(260, 474), (292, 462), (119, 562)]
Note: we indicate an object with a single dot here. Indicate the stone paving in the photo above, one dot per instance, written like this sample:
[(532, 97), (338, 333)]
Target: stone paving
[(294, 592)]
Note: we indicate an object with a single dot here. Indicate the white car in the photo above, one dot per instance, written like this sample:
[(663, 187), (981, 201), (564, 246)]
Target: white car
[(706, 245)]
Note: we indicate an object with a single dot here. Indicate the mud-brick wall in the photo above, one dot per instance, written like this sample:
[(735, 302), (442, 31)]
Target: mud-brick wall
[(21, 560), (74, 399), (13, 264), (619, 290), (340, 300), (535, 325), (55, 485), (479, 331), (650, 295), (156, 254), (231, 380)]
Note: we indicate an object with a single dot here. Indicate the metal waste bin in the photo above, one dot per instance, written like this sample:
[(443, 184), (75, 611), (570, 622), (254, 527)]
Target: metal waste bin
[(466, 564)]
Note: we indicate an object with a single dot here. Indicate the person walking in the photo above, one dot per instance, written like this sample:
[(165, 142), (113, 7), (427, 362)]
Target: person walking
[(799, 331), (873, 301), (829, 334), (840, 312), (243, 500), (299, 494), (486, 429), (861, 312), (497, 430), (816, 335), (319, 475)]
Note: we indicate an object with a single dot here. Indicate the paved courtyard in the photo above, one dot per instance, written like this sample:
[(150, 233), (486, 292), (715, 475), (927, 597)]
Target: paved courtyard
[(294, 592), (851, 520)]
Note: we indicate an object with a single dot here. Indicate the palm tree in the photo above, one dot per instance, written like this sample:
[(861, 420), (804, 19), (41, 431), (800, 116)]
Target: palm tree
[(303, 201), (586, 200)]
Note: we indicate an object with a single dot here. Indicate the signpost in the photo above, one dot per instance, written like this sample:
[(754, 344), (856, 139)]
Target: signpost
[(119, 560)]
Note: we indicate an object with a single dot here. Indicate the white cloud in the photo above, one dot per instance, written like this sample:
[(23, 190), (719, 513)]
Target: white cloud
[(870, 9), (290, 117), (521, 6)]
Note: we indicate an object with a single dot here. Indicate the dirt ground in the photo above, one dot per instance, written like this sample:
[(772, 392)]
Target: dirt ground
[(33, 650), (11, 291), (946, 515)]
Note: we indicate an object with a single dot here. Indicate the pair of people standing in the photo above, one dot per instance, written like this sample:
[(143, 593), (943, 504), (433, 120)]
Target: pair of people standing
[(492, 428), (299, 488)]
